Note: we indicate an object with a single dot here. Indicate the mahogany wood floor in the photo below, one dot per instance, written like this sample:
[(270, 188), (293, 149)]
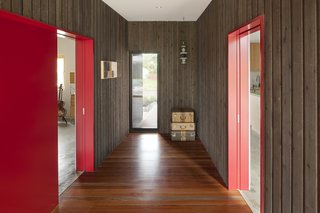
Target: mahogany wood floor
[(149, 173)]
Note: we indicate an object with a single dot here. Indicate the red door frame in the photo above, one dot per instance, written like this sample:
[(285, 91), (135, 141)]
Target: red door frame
[(84, 101), (238, 119), (84, 91)]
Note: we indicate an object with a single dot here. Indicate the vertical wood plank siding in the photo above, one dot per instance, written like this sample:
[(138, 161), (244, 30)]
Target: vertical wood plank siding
[(297, 106), (96, 20), (291, 95), (318, 93), (177, 83)]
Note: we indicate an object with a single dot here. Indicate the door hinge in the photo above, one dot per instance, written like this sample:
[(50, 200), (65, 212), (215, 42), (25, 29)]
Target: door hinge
[(83, 111), (238, 118)]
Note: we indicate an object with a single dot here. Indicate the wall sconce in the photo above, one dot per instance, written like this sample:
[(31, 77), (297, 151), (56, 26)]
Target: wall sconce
[(183, 53)]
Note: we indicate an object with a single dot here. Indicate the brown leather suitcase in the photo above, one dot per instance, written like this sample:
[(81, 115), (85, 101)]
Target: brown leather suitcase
[(182, 116), (183, 126), (183, 135)]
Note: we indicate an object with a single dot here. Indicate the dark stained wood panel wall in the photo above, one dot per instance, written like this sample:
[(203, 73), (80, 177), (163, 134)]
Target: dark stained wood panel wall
[(94, 19), (292, 55), (318, 93), (177, 83)]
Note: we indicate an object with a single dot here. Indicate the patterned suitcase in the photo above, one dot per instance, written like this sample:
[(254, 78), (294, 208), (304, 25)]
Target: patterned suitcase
[(183, 126), (183, 135), (182, 116)]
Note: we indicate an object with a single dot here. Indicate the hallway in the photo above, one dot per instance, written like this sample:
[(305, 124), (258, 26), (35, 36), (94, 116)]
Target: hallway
[(149, 173)]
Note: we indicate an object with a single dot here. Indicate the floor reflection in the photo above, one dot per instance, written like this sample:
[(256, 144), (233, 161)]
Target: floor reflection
[(149, 154)]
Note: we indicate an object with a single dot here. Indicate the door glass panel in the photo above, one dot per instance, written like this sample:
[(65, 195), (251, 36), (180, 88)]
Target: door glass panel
[(144, 91)]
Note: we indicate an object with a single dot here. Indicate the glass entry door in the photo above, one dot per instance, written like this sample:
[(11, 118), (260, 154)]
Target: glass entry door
[(144, 91)]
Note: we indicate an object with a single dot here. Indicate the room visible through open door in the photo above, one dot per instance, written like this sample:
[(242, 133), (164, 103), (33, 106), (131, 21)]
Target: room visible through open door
[(66, 85)]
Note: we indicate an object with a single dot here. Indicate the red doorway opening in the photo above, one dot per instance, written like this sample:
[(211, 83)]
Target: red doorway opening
[(29, 138), (84, 101), (238, 107)]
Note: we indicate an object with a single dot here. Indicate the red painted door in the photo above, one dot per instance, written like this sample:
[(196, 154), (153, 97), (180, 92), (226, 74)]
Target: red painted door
[(28, 154), (233, 112), (238, 117), (243, 106), (85, 99)]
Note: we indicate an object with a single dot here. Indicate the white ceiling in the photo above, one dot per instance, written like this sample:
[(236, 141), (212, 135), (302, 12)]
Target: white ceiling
[(148, 10)]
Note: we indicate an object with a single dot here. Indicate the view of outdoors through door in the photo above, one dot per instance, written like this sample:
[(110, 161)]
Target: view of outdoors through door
[(144, 90)]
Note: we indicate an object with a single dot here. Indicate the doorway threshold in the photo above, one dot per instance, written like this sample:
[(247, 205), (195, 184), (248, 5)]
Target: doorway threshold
[(64, 186), (254, 206)]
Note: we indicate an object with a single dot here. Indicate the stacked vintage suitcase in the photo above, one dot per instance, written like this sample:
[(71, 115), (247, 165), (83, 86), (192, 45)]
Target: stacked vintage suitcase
[(183, 127)]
